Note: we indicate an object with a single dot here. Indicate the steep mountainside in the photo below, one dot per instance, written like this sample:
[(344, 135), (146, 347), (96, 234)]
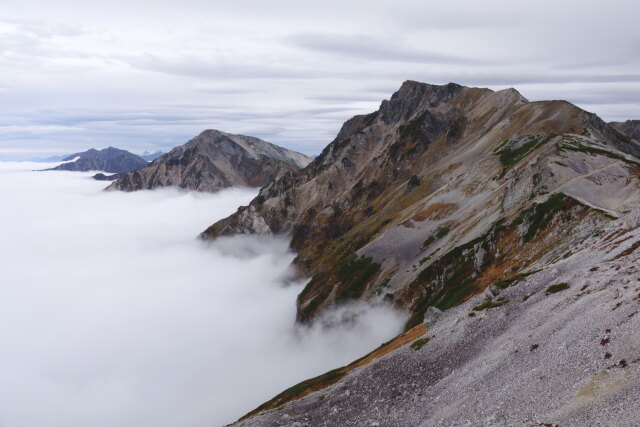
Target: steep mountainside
[(560, 347), (215, 160), (418, 203), (630, 127), (112, 160)]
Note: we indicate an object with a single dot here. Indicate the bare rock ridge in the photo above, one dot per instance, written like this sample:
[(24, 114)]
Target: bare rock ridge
[(214, 160), (511, 226), (111, 160)]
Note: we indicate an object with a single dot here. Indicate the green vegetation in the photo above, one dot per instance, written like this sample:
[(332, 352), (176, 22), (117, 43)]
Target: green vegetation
[(566, 145), (510, 156), (413, 182), (504, 284), (526, 297), (540, 215), (491, 304), (291, 393), (419, 343), (557, 288), (449, 280), (454, 130), (355, 272), (439, 234)]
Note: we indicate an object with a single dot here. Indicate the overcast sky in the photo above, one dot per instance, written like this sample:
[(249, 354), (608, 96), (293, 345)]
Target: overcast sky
[(150, 75)]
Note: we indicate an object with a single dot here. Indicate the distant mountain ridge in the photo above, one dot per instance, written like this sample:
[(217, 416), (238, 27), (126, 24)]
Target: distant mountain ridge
[(111, 160), (630, 127), (214, 160)]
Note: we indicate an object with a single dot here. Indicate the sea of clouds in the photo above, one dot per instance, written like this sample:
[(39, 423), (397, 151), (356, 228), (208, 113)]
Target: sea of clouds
[(112, 313)]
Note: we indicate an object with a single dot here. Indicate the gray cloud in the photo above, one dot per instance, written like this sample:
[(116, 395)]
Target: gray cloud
[(375, 49), (130, 80)]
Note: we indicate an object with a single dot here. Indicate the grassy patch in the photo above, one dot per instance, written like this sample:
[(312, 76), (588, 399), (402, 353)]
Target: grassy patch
[(419, 343), (355, 272), (491, 304), (577, 147), (503, 284), (557, 288), (510, 156), (292, 392), (541, 214), (526, 297), (439, 234)]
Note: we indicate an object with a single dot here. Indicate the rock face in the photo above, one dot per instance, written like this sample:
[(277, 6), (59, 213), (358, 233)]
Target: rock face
[(417, 203), (111, 160), (214, 160)]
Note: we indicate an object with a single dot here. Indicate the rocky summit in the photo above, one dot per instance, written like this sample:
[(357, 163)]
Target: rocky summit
[(506, 229), (214, 160), (111, 160)]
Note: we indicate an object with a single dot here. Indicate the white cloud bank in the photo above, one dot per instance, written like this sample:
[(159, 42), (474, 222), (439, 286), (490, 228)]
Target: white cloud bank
[(113, 314)]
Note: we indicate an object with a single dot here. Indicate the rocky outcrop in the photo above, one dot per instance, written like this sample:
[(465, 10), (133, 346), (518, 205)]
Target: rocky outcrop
[(111, 160), (214, 160), (418, 203)]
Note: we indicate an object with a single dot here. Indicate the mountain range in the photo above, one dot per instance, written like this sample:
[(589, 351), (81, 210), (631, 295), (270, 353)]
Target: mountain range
[(506, 229), (214, 160)]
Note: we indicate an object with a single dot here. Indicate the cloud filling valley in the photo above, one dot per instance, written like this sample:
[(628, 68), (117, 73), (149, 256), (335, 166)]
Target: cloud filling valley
[(113, 313)]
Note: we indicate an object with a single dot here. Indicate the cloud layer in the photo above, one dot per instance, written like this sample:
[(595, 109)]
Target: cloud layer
[(78, 74), (114, 314)]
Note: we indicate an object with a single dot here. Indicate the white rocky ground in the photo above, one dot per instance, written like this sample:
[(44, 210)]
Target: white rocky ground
[(570, 358)]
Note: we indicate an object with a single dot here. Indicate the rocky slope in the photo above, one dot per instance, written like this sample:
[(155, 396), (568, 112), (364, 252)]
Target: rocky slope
[(467, 206), (112, 160), (559, 347), (418, 203), (215, 160)]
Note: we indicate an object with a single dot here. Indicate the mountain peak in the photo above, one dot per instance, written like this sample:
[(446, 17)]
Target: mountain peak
[(414, 97), (214, 160)]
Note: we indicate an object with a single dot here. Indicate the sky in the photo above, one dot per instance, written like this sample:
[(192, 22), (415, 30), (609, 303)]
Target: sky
[(112, 313), (146, 75)]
